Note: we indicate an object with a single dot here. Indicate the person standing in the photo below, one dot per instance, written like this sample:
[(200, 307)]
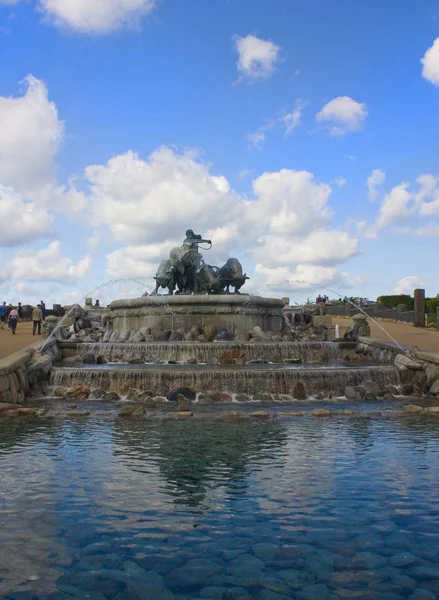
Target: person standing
[(37, 317), (43, 308), (13, 320), (3, 314), (20, 311)]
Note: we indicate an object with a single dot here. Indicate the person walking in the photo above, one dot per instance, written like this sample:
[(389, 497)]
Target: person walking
[(3, 314), (13, 320), (37, 317), (20, 311)]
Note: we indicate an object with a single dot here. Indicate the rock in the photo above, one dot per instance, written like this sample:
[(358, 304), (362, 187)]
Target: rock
[(407, 389), (369, 397), (88, 358), (78, 391), (177, 335), (110, 397), (242, 398), (413, 408), (160, 401), (321, 412), (245, 566), (163, 335), (318, 591), (223, 335), (210, 332), (433, 410), (187, 392), (265, 551), (391, 389), (124, 335), (137, 338), (78, 413), (193, 333), (229, 357), (213, 591), (219, 397), (101, 360), (299, 391), (136, 360), (236, 593), (407, 583), (402, 559), (435, 388), (355, 393), (182, 403), (185, 414), (195, 573), (372, 387), (26, 412), (241, 335), (422, 594), (4, 406), (192, 361), (131, 410), (260, 414), (404, 361), (235, 415), (293, 361)]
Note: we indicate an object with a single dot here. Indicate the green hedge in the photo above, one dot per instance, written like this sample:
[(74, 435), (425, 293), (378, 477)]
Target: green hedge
[(393, 301)]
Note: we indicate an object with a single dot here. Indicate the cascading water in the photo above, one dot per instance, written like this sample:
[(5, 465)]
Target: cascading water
[(180, 352)]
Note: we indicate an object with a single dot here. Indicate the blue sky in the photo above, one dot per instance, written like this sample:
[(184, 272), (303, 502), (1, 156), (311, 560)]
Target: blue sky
[(124, 122)]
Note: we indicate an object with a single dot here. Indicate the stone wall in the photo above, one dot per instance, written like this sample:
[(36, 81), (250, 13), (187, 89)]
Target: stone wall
[(23, 371), (376, 311), (416, 368)]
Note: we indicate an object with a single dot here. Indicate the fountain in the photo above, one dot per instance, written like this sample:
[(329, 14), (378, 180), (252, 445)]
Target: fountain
[(223, 346)]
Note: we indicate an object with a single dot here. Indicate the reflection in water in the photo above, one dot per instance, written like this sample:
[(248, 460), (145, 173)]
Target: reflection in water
[(193, 459), (106, 510)]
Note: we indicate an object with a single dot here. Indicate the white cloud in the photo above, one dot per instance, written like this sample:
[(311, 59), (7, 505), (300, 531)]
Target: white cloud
[(321, 247), (96, 16), (256, 57), (430, 62), (302, 277), (48, 264), (375, 180), (293, 119), (148, 201), (340, 181), (396, 206), (350, 157), (343, 114), (289, 202), (138, 261), (21, 221), (430, 230), (256, 139), (407, 285), (30, 137)]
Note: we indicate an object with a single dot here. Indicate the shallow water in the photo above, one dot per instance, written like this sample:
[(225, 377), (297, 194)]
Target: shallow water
[(164, 510)]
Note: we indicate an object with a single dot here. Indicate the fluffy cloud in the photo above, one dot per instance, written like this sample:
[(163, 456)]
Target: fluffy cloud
[(293, 119), (401, 203), (149, 201), (289, 202), (256, 57), (48, 264), (256, 139), (430, 63), (21, 221), (322, 247), (96, 16), (30, 137), (406, 285), (375, 180), (148, 205), (343, 114)]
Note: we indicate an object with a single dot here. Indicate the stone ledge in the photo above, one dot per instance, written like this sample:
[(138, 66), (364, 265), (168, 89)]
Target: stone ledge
[(201, 299)]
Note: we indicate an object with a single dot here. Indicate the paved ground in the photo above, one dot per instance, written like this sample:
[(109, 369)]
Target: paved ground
[(11, 343), (406, 335)]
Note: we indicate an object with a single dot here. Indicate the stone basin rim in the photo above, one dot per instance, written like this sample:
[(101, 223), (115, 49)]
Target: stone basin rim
[(198, 299)]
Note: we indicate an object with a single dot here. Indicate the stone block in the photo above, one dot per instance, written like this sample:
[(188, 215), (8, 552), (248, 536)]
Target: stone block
[(4, 383), (321, 321)]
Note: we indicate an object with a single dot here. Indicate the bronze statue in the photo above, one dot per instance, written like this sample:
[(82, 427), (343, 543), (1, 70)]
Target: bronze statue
[(186, 270)]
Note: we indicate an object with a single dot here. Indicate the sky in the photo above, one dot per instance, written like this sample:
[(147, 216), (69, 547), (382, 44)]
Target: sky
[(300, 137)]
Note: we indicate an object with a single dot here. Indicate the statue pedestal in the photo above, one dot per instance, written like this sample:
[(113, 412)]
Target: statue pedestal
[(233, 312)]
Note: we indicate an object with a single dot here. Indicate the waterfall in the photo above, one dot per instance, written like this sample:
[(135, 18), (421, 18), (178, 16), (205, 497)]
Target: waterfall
[(233, 380), (181, 352)]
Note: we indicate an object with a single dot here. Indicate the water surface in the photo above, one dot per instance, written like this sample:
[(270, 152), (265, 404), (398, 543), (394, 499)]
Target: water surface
[(305, 508)]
